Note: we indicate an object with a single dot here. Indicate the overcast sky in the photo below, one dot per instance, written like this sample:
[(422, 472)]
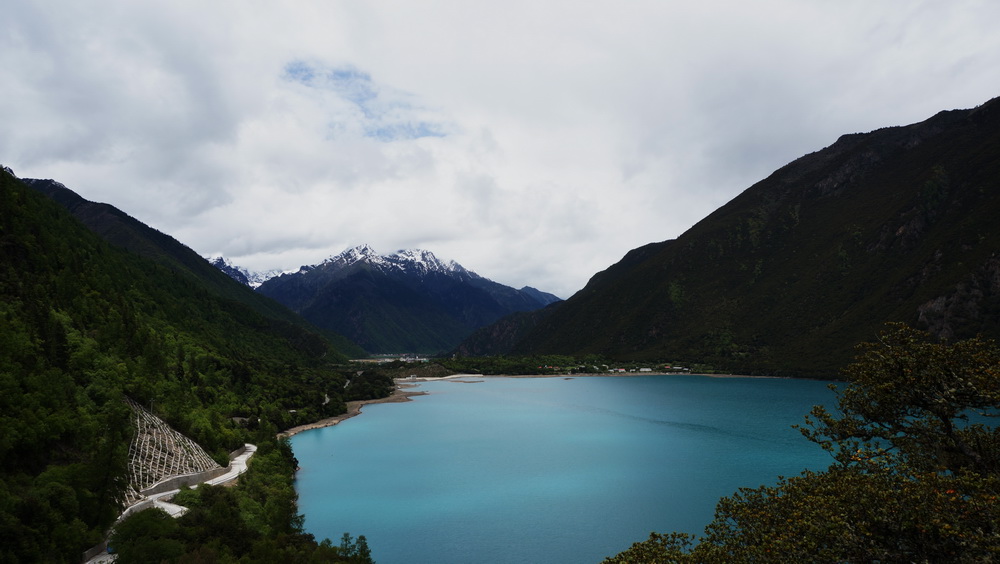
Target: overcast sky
[(534, 142)]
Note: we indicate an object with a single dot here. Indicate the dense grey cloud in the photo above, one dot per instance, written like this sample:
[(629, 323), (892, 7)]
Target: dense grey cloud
[(533, 142)]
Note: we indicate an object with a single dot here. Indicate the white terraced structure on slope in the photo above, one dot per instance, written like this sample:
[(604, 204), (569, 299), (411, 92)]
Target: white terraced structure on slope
[(158, 452)]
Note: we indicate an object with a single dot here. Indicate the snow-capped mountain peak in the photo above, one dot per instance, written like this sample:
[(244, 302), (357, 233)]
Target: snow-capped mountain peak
[(418, 261), (361, 253), (221, 261), (242, 275), (368, 297)]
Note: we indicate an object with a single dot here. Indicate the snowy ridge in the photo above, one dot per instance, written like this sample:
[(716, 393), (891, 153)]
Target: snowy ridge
[(248, 277), (256, 278), (417, 261), (366, 297), (410, 261), (361, 253)]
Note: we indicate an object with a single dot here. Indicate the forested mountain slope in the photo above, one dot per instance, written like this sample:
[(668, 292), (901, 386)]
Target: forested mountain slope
[(898, 224), (84, 324), (122, 230)]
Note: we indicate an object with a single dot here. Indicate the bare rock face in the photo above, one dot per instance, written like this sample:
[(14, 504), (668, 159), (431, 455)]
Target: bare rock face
[(966, 304)]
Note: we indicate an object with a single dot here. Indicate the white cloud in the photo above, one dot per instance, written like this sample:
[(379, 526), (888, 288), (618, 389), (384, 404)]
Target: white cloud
[(533, 142)]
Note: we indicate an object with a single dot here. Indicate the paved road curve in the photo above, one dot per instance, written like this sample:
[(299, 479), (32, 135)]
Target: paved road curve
[(237, 466)]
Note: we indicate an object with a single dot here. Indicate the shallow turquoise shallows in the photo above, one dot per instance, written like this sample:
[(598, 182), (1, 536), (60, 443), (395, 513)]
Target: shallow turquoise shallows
[(549, 470)]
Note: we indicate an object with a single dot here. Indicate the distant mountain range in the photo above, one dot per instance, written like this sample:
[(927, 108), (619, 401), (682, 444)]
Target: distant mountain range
[(899, 224), (246, 277), (407, 301)]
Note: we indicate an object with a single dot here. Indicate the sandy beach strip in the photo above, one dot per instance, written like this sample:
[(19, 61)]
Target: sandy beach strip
[(400, 394)]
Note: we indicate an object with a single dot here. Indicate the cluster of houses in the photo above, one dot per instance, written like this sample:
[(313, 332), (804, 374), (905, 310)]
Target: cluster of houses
[(384, 358), (667, 369), (604, 368)]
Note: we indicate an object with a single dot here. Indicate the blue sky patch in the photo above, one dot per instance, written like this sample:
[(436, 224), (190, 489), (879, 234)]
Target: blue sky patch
[(398, 131), (386, 114)]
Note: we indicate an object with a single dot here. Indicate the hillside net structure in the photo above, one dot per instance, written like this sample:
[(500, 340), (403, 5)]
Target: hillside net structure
[(158, 452)]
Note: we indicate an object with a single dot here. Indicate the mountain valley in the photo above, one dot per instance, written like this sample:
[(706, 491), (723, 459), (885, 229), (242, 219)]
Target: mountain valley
[(98, 310)]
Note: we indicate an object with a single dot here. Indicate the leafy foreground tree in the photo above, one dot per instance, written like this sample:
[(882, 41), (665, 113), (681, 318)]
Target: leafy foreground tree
[(916, 476)]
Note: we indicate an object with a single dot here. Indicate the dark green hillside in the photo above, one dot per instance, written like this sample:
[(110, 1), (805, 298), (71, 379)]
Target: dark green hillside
[(894, 225), (83, 324), (122, 230), (380, 313), (384, 315)]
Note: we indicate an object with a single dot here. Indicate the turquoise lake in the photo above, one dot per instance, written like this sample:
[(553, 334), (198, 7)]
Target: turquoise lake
[(554, 470)]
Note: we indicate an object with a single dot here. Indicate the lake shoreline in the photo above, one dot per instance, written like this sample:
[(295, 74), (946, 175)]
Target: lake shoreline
[(402, 394), (398, 395), (608, 375)]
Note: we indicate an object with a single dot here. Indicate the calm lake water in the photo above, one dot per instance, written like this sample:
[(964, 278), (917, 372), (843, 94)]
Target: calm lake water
[(549, 470)]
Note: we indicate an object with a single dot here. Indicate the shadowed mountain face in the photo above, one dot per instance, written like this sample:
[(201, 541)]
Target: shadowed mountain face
[(894, 225), (408, 301)]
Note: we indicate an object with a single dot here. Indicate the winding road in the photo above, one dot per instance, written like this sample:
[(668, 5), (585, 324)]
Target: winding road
[(237, 466)]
